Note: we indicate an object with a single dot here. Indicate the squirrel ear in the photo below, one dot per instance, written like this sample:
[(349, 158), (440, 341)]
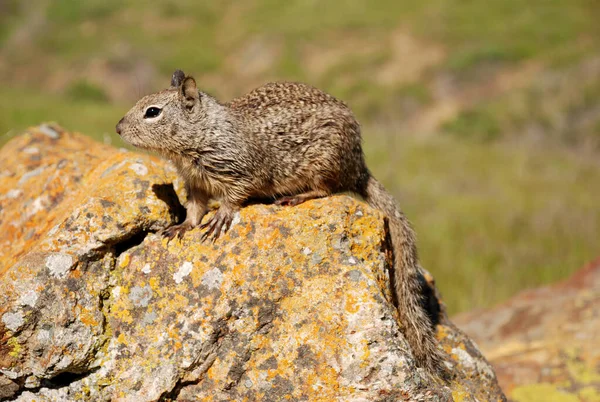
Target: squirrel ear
[(177, 78), (189, 92)]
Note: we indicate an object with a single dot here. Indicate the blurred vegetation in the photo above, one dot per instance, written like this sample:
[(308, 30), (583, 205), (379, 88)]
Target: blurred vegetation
[(482, 117)]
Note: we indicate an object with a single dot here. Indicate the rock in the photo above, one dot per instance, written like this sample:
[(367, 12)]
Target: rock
[(545, 343), (290, 304)]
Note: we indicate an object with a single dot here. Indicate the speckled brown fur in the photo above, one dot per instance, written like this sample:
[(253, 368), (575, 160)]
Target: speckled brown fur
[(286, 141)]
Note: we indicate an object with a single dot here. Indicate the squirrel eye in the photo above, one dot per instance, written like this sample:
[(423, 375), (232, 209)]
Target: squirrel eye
[(152, 112)]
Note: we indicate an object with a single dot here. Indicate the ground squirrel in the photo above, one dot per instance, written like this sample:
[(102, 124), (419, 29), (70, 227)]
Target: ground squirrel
[(286, 141)]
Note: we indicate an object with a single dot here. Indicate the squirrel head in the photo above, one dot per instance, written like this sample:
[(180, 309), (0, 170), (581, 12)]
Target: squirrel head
[(162, 121)]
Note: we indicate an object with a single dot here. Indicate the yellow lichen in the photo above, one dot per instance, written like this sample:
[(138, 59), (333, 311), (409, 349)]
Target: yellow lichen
[(459, 395), (366, 353), (590, 394), (154, 283), (123, 315), (121, 339), (86, 316), (351, 304), (582, 373), (15, 347), (542, 392)]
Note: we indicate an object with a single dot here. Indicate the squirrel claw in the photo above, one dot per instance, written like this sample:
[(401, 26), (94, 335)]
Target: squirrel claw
[(220, 222), (290, 201), (175, 231)]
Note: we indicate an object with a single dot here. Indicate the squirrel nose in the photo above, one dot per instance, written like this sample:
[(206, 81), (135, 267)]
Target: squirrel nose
[(119, 124)]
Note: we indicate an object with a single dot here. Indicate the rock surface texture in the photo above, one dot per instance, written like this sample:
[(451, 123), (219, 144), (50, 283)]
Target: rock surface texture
[(545, 343), (291, 304)]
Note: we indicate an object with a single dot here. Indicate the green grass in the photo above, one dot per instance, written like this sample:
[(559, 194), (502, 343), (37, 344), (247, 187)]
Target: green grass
[(8, 10), (559, 106), (73, 11), (477, 124), (96, 119), (86, 91), (476, 31), (510, 30), (198, 36), (463, 60)]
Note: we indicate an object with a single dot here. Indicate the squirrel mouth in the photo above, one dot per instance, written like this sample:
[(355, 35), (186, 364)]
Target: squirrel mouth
[(132, 139)]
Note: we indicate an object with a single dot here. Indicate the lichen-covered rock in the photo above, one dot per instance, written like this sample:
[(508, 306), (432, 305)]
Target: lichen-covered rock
[(545, 343), (290, 304)]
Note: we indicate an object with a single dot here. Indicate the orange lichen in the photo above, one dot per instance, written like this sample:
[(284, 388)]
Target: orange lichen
[(87, 317)]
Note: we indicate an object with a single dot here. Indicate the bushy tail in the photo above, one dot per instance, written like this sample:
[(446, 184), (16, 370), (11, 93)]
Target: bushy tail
[(407, 280)]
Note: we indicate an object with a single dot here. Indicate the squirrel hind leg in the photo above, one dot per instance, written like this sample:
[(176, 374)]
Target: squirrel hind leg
[(296, 199)]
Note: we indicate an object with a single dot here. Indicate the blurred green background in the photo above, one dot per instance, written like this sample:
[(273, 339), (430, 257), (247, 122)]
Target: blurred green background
[(482, 117)]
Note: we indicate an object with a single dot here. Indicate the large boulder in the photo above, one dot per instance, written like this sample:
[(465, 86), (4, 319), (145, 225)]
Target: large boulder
[(290, 304), (545, 343)]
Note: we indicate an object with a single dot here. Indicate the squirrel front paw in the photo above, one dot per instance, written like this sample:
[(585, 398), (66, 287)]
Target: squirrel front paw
[(176, 230), (219, 223)]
